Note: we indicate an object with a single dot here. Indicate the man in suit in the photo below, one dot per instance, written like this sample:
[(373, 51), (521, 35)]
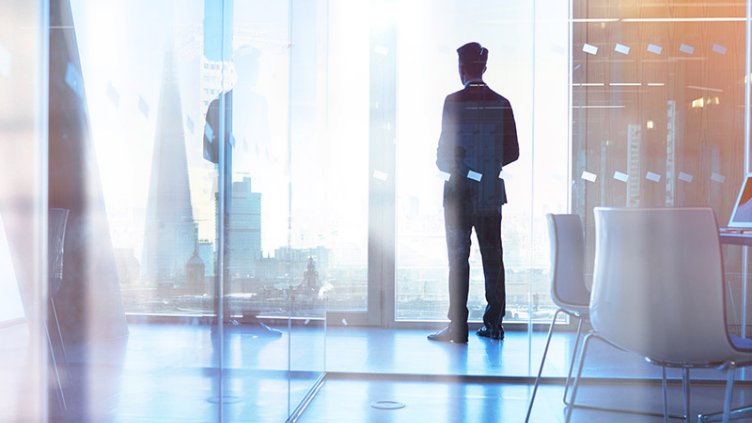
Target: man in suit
[(478, 137)]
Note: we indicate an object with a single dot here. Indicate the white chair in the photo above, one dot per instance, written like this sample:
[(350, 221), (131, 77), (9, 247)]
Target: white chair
[(658, 291), (568, 289)]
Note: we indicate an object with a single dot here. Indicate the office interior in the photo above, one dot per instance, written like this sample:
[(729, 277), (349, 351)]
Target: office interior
[(293, 271)]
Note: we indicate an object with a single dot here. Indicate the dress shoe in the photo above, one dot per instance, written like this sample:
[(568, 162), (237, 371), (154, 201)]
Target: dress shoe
[(449, 334), (497, 333)]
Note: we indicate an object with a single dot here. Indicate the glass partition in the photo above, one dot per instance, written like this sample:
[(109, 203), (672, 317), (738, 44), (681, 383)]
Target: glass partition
[(194, 190), (659, 109), (148, 232), (169, 147), (24, 354)]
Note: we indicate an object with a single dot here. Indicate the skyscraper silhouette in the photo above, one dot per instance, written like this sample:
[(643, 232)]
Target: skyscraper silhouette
[(171, 233)]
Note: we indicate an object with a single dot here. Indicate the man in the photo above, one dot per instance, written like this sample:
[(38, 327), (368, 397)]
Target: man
[(478, 137)]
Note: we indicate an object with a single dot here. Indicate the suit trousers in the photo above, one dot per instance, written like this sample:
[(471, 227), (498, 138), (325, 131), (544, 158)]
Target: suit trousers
[(459, 220)]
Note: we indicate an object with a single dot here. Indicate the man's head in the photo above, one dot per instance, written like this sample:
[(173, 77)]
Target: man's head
[(472, 59)]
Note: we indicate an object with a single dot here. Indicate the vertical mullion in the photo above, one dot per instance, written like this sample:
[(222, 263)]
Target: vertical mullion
[(382, 152)]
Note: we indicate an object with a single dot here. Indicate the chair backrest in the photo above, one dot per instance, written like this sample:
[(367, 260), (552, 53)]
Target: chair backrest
[(567, 261), (658, 283)]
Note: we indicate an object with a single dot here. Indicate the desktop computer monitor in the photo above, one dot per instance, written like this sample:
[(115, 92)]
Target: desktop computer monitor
[(741, 216)]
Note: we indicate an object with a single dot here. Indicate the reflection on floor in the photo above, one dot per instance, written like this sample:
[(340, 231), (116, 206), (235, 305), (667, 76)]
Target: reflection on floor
[(385, 351), (168, 373), (354, 400)]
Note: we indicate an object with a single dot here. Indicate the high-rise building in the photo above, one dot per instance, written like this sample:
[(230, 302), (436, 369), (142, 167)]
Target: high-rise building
[(244, 230), (194, 274), (171, 232), (206, 252)]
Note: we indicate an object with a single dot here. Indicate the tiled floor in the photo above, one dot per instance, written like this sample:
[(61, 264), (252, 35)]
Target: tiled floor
[(168, 373)]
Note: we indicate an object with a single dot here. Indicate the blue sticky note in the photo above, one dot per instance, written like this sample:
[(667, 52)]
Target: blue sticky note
[(143, 106), (74, 80), (475, 176)]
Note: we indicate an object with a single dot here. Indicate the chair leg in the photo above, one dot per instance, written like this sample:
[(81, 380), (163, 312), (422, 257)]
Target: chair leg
[(686, 391), (59, 331), (571, 362), (51, 352), (729, 393), (664, 385), (543, 361), (576, 385)]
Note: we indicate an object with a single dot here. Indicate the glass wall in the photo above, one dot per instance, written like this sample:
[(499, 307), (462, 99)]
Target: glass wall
[(23, 213), (177, 266), (197, 188), (658, 109)]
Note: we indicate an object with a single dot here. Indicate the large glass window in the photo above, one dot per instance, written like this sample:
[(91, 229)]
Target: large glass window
[(428, 36), (214, 181)]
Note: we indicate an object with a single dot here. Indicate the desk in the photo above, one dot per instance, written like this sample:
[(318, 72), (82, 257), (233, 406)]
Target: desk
[(736, 237)]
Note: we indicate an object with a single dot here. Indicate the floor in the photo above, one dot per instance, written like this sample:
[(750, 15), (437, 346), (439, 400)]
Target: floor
[(168, 373), (356, 400)]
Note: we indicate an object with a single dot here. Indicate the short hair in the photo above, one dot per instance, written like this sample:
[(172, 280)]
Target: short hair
[(473, 57)]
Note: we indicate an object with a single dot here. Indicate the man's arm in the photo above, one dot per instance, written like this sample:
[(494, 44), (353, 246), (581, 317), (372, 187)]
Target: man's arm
[(444, 155), (450, 157), (511, 148)]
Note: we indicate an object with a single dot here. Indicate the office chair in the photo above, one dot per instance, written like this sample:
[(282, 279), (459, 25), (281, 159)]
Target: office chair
[(568, 289), (658, 291)]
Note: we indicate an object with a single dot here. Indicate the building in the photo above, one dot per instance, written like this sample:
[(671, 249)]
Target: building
[(244, 230), (171, 234)]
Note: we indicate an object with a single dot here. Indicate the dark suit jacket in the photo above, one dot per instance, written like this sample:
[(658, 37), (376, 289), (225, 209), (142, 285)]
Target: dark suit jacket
[(478, 137)]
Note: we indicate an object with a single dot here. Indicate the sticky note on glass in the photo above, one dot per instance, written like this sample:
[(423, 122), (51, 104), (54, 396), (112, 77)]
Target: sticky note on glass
[(475, 176), (652, 176), (686, 49), (621, 48), (382, 50), (717, 177), (621, 176), (113, 94), (74, 80), (590, 49), (590, 177), (381, 176), (719, 49), (655, 49), (5, 62), (143, 107), (686, 177)]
